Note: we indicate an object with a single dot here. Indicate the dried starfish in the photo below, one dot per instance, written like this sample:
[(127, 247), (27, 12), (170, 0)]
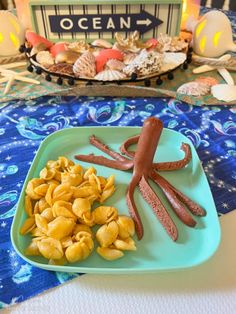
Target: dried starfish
[(144, 169)]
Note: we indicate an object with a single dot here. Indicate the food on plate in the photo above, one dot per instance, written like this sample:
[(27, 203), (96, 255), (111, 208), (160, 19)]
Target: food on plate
[(61, 213), (141, 162)]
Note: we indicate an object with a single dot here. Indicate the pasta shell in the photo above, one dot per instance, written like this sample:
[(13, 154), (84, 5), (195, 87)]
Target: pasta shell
[(62, 192), (109, 254), (106, 193), (29, 224), (82, 227), (42, 204), (126, 226), (127, 244), (47, 174), (41, 223), (49, 194), (74, 253), (28, 206), (81, 206), (104, 214), (88, 172), (60, 227), (50, 248), (41, 189), (71, 178), (47, 214), (76, 169), (107, 234), (66, 242), (32, 249), (87, 219), (32, 184)]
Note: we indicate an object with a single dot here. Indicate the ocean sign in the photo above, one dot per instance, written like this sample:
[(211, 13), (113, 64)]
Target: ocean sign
[(142, 22)]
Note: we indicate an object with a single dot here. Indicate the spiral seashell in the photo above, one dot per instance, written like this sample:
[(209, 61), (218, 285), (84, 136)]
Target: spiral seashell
[(110, 75), (85, 65)]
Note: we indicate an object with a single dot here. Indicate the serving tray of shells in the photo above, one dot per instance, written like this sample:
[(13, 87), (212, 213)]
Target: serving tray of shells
[(124, 60)]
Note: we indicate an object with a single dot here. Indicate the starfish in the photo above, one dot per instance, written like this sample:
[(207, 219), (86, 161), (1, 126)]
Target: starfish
[(144, 169), (9, 76)]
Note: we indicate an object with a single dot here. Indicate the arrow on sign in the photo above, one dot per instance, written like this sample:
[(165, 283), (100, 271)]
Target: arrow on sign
[(144, 22), (141, 22)]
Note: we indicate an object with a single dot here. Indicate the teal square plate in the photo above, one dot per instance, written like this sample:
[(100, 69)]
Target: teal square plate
[(156, 251)]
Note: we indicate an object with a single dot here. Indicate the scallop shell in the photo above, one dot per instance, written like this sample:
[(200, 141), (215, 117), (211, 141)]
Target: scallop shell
[(146, 63), (113, 64), (85, 65), (102, 43), (194, 89), (110, 75), (224, 92), (45, 58), (37, 48)]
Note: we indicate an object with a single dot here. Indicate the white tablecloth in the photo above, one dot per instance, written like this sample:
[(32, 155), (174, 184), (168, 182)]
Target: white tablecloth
[(208, 288)]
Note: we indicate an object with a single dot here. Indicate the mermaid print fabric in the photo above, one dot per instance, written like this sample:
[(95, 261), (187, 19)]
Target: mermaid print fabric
[(23, 125)]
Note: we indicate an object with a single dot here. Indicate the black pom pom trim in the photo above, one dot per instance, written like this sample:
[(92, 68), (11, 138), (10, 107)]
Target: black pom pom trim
[(170, 76), (134, 76), (89, 83), (147, 82), (48, 78), (159, 81), (71, 81), (22, 49), (59, 81), (185, 65), (30, 68), (38, 71)]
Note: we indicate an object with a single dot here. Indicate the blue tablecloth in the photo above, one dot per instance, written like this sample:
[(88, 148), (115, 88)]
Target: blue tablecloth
[(24, 125)]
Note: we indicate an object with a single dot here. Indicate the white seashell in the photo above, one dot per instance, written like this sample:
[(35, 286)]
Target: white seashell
[(101, 43), (129, 57), (85, 65), (194, 89), (45, 58), (224, 92), (146, 63), (110, 75), (172, 60)]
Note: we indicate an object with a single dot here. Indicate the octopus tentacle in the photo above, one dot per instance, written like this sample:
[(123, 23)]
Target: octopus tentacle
[(159, 210), (176, 205), (130, 141), (100, 160), (133, 209), (175, 165), (106, 149)]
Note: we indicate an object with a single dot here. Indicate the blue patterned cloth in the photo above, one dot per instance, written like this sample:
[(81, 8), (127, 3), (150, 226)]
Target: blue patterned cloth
[(24, 125)]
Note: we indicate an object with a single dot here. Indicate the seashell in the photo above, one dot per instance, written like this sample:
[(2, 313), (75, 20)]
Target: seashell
[(194, 89), (102, 43), (146, 63), (110, 75), (68, 57), (129, 44), (172, 60), (35, 39), (114, 64), (62, 68), (224, 92), (79, 47), (45, 58), (58, 47), (208, 80), (37, 48), (105, 55), (129, 57), (85, 65)]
